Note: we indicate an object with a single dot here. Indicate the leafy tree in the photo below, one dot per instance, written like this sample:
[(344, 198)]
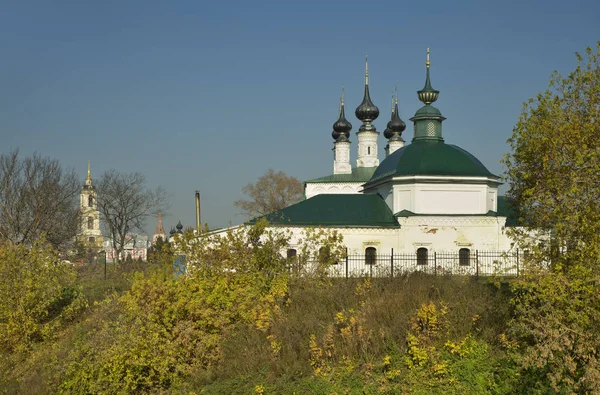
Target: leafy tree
[(161, 252), (37, 292), (125, 203), (37, 197), (554, 167), (273, 191), (554, 174)]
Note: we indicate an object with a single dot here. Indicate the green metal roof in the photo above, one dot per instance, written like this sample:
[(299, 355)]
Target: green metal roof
[(431, 158), (427, 111), (340, 210), (359, 174)]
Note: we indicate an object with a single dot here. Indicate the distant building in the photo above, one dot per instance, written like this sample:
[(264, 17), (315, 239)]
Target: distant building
[(177, 230), (89, 233), (159, 231), (136, 245)]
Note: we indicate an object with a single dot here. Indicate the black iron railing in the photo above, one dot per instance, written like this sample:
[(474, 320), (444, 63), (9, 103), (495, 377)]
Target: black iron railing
[(465, 262)]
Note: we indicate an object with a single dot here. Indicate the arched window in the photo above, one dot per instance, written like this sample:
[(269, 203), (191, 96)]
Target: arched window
[(370, 256), (422, 256), (90, 222), (464, 257), (92, 239), (292, 256), (291, 253), (369, 150), (90, 201)]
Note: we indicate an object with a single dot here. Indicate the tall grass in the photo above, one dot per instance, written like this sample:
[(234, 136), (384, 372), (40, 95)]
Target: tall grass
[(382, 312)]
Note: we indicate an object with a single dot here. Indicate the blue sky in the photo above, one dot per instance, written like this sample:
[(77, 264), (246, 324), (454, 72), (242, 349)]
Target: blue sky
[(209, 95)]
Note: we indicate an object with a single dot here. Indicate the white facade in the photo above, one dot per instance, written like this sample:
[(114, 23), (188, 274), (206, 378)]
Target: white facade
[(314, 189), (481, 240), (367, 149), (439, 194), (436, 233), (341, 157), (135, 245), (393, 146)]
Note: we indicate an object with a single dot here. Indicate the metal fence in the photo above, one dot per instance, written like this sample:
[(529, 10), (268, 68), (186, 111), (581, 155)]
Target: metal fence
[(465, 262)]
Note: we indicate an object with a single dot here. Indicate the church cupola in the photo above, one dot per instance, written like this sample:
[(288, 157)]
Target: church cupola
[(341, 146), (428, 119), (367, 134), (341, 127), (387, 133), (367, 112), (395, 127)]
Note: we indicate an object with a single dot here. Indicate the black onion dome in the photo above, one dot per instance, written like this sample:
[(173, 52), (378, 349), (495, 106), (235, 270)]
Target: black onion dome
[(179, 227), (387, 133), (367, 111), (341, 126), (172, 232), (396, 125)]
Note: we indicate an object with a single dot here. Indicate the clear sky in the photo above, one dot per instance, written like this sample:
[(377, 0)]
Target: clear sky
[(209, 95)]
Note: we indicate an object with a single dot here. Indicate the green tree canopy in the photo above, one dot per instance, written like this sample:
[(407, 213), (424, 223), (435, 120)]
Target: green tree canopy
[(554, 175), (554, 167)]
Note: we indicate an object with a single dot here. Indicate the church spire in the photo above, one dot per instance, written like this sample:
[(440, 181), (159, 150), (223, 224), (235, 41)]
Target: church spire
[(88, 180), (428, 95), (341, 127), (428, 119), (387, 133), (367, 112)]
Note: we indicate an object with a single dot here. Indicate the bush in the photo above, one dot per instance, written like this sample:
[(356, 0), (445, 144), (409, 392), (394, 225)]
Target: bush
[(37, 294)]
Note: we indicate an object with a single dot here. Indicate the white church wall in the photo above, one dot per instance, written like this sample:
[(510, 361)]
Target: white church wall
[(442, 198), (448, 233), (490, 249), (314, 189), (492, 200)]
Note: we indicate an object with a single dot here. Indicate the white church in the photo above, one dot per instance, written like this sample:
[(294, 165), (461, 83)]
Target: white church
[(428, 204)]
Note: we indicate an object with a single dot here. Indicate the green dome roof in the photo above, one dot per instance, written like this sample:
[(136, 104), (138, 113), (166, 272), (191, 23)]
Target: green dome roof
[(427, 111), (431, 158)]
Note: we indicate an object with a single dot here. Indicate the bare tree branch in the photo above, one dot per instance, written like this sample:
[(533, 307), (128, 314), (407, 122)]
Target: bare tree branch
[(125, 203), (273, 191), (37, 197)]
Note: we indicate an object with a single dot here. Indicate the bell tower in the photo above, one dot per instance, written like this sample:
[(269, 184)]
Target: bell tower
[(89, 227)]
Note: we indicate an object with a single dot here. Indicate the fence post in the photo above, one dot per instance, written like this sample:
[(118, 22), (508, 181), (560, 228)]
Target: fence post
[(392, 263), (517, 262), (477, 263), (346, 262), (434, 263)]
